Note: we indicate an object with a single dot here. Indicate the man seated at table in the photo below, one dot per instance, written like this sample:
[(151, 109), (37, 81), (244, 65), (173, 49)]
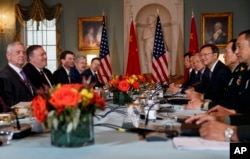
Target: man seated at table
[(195, 77), (35, 68), (91, 72), (14, 84), (62, 74), (237, 92), (79, 68)]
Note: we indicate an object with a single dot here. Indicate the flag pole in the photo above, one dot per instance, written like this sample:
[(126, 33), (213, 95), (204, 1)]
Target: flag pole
[(103, 12), (131, 13)]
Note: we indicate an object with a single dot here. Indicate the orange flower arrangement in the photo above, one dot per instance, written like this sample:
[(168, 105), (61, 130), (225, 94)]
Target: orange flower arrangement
[(127, 83), (66, 103)]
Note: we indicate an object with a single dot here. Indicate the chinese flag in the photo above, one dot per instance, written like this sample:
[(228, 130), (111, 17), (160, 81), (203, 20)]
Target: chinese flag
[(133, 64), (193, 41)]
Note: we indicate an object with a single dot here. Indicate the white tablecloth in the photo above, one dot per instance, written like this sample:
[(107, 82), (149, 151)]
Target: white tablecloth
[(109, 144)]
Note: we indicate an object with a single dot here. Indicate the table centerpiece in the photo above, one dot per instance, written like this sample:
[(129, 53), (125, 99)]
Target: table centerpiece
[(67, 110)]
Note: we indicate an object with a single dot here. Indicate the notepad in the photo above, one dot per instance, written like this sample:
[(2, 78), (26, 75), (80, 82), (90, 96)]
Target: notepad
[(197, 143)]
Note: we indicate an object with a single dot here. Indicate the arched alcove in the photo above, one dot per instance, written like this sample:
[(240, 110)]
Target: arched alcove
[(142, 27), (171, 15)]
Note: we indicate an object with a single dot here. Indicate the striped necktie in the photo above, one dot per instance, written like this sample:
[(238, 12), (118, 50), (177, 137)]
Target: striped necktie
[(45, 78)]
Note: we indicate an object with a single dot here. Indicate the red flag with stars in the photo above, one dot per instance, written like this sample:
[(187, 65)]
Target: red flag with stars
[(193, 41), (133, 64)]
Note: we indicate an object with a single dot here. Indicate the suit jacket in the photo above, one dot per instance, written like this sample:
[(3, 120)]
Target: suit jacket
[(13, 88), (194, 80), (94, 79), (35, 77), (201, 86), (61, 76), (215, 85), (75, 75)]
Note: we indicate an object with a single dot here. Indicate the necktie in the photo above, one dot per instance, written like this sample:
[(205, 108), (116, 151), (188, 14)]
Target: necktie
[(196, 78), (69, 78), (45, 78), (26, 81), (95, 77), (199, 76), (210, 74)]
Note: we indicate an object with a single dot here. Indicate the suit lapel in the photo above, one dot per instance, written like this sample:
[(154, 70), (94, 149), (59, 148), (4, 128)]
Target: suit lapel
[(14, 73)]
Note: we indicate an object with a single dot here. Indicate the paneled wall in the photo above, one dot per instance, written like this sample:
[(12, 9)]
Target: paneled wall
[(114, 10)]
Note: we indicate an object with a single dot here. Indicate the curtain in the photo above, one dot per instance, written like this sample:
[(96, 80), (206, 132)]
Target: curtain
[(38, 11)]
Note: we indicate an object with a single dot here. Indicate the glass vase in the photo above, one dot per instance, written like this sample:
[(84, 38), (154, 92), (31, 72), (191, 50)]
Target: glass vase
[(83, 135), (121, 98)]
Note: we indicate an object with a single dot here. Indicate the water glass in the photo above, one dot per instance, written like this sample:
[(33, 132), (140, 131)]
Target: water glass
[(6, 128)]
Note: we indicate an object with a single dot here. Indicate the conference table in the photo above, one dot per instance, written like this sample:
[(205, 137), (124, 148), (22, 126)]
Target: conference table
[(109, 144)]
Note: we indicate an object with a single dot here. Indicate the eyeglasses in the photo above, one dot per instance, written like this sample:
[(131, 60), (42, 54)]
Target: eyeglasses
[(205, 54)]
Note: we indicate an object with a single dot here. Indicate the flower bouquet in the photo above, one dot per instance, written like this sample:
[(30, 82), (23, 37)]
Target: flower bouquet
[(67, 110), (124, 87)]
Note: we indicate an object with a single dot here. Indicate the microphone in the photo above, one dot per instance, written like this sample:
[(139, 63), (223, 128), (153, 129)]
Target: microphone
[(22, 130), (151, 114), (17, 120), (155, 93)]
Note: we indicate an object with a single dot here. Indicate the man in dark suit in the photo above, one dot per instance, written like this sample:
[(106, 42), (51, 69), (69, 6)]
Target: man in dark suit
[(62, 74), (219, 74), (195, 76), (216, 76), (238, 77), (35, 68), (235, 89), (14, 85), (79, 68), (90, 73), (215, 128)]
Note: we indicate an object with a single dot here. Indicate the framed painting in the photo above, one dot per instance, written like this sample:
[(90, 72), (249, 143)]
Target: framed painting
[(89, 33), (216, 28)]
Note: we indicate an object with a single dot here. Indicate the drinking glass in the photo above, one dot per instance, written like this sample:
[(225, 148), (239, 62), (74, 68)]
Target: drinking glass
[(6, 128)]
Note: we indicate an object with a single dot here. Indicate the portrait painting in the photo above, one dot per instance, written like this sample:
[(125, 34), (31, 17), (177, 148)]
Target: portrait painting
[(89, 33), (216, 28)]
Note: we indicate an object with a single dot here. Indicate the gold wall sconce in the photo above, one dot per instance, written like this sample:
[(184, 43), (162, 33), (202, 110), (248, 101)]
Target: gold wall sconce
[(2, 25)]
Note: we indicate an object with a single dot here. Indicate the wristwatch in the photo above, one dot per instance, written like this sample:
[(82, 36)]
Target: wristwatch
[(228, 134)]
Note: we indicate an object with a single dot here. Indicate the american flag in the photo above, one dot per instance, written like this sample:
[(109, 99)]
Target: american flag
[(159, 62), (105, 71)]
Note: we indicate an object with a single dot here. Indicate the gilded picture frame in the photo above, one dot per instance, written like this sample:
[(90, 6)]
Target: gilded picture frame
[(216, 28), (89, 33)]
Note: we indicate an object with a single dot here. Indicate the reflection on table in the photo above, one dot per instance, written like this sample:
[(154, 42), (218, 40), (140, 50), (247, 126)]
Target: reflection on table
[(109, 143)]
